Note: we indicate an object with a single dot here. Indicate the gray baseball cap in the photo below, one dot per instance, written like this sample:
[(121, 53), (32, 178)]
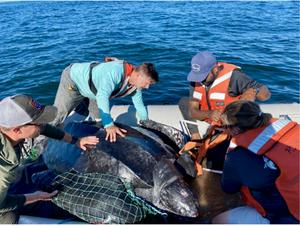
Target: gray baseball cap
[(202, 63), (22, 109)]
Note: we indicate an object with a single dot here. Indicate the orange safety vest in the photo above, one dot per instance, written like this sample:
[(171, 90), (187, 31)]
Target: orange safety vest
[(124, 89), (198, 149), (217, 96), (279, 141)]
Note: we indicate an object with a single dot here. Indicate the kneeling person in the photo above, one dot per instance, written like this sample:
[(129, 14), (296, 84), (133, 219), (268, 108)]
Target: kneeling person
[(22, 117), (214, 85), (262, 162)]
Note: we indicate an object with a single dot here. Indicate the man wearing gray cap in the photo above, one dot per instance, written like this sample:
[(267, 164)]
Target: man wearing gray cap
[(22, 117), (213, 86)]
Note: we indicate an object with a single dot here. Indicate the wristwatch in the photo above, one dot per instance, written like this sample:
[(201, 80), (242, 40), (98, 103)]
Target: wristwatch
[(74, 140)]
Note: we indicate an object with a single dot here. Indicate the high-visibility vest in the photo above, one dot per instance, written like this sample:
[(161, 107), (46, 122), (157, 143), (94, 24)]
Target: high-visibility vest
[(217, 96), (279, 141)]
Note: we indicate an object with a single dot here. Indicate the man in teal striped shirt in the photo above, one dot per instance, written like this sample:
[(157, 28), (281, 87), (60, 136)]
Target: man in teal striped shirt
[(102, 82)]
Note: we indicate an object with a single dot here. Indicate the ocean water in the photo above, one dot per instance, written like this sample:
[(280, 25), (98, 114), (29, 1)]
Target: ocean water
[(39, 39)]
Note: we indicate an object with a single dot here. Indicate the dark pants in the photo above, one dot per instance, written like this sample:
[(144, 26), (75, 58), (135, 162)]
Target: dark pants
[(215, 157)]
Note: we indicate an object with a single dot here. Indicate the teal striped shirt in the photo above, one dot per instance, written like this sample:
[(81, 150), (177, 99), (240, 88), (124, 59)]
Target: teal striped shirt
[(106, 78)]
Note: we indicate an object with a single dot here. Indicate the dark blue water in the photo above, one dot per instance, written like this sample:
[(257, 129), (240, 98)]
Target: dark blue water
[(39, 39)]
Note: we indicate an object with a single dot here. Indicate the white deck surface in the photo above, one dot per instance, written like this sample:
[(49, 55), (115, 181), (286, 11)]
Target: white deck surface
[(171, 115)]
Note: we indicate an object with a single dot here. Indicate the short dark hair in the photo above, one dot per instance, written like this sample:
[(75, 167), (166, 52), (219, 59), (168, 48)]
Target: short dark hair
[(149, 70)]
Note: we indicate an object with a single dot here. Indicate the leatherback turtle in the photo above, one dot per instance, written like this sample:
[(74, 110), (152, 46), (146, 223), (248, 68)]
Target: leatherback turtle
[(144, 157)]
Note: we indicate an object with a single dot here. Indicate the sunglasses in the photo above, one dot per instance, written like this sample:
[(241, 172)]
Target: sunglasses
[(32, 124)]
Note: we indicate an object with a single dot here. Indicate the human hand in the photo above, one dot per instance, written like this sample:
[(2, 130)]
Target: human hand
[(249, 94), (108, 59), (90, 140), (112, 131), (215, 115), (39, 196)]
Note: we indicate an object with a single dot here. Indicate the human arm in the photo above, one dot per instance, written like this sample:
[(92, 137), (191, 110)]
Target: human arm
[(249, 89), (198, 114), (262, 93), (56, 133), (39, 196), (137, 100), (195, 111), (230, 181), (107, 84), (11, 202), (111, 130), (81, 142)]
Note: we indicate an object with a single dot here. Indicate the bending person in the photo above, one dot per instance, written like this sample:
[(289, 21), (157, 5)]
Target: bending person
[(217, 84), (102, 82), (214, 85), (262, 162)]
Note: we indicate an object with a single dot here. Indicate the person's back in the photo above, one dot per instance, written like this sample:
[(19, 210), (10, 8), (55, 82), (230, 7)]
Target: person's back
[(259, 174), (106, 76), (102, 82), (262, 162)]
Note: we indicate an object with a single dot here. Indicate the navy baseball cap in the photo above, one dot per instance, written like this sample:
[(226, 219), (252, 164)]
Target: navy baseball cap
[(22, 109), (202, 63)]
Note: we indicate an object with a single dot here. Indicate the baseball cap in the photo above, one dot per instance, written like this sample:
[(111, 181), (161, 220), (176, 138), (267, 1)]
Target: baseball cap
[(21, 109), (202, 63)]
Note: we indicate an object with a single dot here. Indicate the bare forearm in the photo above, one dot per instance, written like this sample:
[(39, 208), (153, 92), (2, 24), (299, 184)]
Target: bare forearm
[(82, 141), (39, 196), (263, 94), (200, 115), (196, 113)]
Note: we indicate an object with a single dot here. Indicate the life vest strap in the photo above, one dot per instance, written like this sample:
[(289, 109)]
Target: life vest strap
[(91, 84), (198, 149), (128, 68), (249, 200)]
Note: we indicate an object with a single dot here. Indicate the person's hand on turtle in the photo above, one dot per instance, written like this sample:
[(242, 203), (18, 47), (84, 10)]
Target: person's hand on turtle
[(83, 142), (113, 131)]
